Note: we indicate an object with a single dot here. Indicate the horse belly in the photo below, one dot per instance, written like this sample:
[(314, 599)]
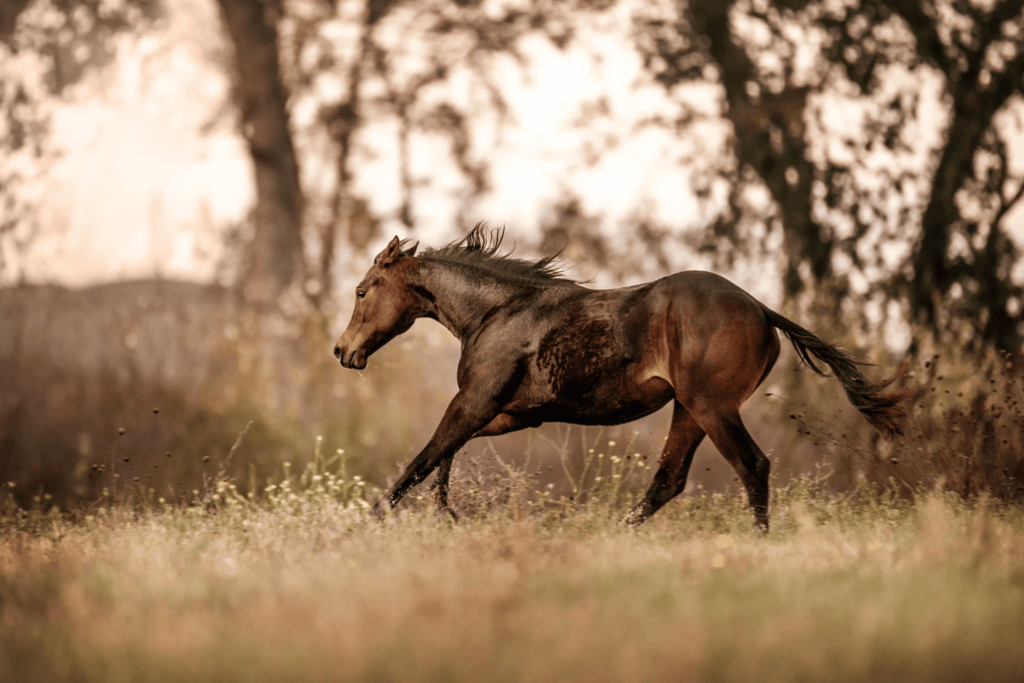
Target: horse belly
[(586, 374), (614, 406)]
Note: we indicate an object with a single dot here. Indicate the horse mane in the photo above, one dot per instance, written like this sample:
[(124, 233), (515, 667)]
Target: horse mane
[(481, 248)]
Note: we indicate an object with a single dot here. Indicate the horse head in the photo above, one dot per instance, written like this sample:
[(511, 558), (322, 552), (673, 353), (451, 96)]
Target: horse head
[(386, 306)]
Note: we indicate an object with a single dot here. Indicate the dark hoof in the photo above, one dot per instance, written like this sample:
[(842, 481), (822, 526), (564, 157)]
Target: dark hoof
[(380, 510), (639, 514), (447, 515), (761, 520), (634, 518)]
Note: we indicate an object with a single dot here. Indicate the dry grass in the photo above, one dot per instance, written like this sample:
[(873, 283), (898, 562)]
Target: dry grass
[(899, 561), (298, 584)]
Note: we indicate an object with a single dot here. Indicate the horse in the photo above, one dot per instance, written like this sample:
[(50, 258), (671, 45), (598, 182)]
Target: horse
[(540, 347)]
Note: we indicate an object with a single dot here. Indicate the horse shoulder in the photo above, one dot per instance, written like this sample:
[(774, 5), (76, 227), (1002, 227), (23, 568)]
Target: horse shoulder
[(496, 352)]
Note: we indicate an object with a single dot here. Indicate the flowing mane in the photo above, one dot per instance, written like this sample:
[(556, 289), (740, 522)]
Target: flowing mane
[(481, 249)]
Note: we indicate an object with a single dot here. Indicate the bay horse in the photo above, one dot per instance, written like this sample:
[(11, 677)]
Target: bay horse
[(539, 347)]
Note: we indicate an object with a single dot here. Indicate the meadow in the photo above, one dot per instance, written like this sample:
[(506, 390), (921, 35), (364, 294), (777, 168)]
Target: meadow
[(886, 561), (297, 582)]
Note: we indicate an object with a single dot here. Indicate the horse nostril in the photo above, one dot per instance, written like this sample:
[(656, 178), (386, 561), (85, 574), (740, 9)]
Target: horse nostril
[(337, 352)]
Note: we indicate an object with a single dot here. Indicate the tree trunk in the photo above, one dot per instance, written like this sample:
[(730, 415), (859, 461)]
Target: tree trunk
[(931, 275), (769, 139), (275, 253), (975, 105)]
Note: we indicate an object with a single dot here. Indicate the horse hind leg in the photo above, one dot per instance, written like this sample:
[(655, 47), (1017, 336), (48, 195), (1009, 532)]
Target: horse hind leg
[(670, 479), (734, 442)]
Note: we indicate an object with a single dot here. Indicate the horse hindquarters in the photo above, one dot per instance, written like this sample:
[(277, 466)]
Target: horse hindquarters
[(720, 350)]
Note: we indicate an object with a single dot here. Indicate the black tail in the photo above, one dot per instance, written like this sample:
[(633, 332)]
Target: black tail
[(880, 409)]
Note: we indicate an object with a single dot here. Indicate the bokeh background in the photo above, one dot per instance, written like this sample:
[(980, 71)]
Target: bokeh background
[(189, 190)]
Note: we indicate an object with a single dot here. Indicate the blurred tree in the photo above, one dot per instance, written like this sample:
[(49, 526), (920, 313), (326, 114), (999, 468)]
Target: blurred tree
[(424, 72), (9, 12), (274, 252), (71, 36), (431, 70), (849, 196), (980, 54), (66, 38)]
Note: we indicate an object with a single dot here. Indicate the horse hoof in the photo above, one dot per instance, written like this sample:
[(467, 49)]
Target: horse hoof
[(633, 519), (446, 514), (379, 510)]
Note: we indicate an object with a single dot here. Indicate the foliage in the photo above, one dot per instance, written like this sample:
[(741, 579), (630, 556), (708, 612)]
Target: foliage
[(831, 107), (429, 69), (964, 433), (47, 46)]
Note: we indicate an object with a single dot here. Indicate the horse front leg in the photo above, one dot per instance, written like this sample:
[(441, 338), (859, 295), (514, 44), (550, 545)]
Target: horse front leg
[(466, 415), (502, 424), (439, 490)]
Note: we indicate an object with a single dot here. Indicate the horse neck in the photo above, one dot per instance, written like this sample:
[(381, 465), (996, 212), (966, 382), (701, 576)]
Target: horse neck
[(462, 298)]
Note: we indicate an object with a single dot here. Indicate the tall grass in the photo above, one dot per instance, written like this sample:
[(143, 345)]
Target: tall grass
[(965, 431), (293, 580), (886, 561)]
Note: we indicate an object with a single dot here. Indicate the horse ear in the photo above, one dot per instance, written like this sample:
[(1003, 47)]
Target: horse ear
[(412, 251), (391, 253)]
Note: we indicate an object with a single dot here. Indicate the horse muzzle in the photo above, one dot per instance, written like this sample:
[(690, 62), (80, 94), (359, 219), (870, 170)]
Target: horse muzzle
[(354, 359)]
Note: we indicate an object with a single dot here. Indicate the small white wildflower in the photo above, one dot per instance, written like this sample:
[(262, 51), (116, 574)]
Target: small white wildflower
[(611, 444)]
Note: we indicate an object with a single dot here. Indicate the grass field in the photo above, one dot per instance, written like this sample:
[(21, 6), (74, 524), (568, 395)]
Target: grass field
[(299, 583)]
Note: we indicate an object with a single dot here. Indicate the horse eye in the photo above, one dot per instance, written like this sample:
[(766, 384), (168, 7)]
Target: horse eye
[(360, 293)]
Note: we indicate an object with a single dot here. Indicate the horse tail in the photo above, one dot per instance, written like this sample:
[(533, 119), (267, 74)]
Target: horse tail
[(882, 410)]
